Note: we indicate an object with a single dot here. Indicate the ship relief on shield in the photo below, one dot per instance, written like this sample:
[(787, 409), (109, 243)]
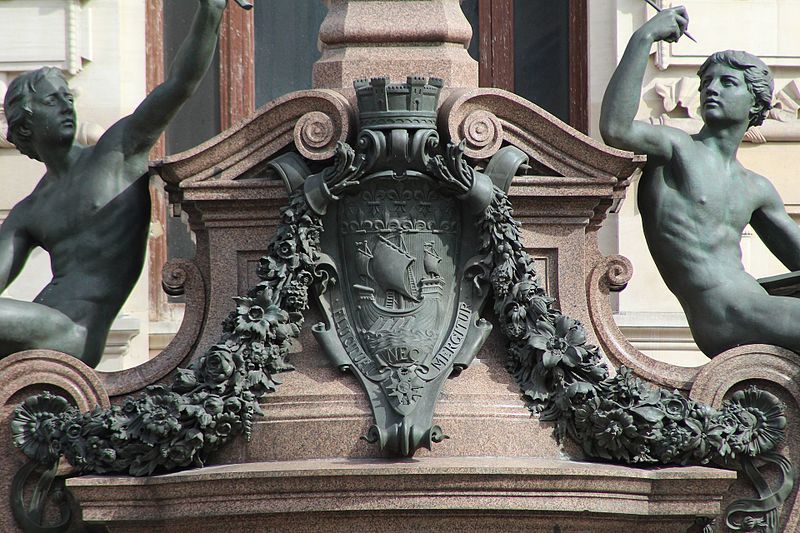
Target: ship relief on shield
[(399, 288), (402, 310)]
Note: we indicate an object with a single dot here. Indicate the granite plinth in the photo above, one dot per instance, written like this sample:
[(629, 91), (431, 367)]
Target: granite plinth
[(426, 494), (364, 39)]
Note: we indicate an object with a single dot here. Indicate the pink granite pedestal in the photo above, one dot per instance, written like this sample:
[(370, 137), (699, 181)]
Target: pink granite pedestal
[(487, 494), (306, 468)]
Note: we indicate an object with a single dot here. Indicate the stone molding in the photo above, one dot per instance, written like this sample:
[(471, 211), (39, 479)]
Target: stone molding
[(313, 120), (486, 118), (180, 276), (351, 495)]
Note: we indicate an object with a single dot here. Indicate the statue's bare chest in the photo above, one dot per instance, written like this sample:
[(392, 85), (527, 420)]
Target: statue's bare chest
[(700, 191), (84, 208)]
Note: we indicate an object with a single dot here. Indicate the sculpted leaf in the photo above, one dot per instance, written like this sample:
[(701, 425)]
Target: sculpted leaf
[(648, 413)]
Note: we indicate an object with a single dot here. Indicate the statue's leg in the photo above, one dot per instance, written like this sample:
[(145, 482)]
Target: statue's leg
[(28, 326), (773, 320)]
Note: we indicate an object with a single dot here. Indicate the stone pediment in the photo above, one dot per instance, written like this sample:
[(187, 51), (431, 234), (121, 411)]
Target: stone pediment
[(312, 122), (489, 118)]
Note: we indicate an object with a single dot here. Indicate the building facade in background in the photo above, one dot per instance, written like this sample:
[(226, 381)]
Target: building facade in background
[(557, 53)]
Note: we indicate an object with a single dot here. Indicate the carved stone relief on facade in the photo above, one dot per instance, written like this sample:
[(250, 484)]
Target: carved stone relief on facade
[(681, 109)]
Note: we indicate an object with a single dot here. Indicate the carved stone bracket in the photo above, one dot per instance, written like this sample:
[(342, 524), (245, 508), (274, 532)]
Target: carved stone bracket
[(487, 118), (180, 276), (611, 274)]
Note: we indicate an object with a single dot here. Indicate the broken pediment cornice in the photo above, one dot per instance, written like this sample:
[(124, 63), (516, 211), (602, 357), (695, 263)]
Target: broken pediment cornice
[(313, 121), (488, 118)]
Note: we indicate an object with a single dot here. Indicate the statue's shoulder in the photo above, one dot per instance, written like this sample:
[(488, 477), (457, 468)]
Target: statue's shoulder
[(680, 140), (21, 214), (761, 189)]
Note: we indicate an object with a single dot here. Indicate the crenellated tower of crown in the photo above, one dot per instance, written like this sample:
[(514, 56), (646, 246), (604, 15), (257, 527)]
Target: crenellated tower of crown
[(384, 105)]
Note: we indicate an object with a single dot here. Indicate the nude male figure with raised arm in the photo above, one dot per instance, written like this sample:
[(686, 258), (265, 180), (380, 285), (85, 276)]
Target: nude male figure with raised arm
[(696, 198), (91, 210)]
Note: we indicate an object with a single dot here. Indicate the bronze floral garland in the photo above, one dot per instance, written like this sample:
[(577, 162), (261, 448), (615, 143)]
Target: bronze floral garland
[(211, 401), (619, 418)]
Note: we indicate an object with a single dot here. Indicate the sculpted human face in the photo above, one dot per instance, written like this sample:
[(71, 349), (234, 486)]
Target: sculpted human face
[(53, 119), (724, 96)]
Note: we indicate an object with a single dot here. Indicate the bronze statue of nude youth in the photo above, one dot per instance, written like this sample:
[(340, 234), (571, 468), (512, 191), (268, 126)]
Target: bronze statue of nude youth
[(696, 198), (91, 209)]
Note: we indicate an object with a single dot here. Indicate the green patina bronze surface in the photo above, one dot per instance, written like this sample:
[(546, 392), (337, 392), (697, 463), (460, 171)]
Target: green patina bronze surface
[(696, 198), (399, 196), (91, 210), (404, 312)]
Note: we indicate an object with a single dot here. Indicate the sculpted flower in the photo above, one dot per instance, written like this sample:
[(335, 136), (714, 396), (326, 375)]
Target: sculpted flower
[(213, 405), (560, 343), (286, 249), (628, 390), (676, 407), (257, 315), (706, 437), (182, 450), (304, 277), (671, 442), (228, 424), (158, 418), (614, 432), (217, 365), (760, 421), (36, 424), (233, 405)]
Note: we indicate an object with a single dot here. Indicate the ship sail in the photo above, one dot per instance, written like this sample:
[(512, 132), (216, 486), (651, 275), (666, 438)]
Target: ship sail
[(362, 259), (390, 267)]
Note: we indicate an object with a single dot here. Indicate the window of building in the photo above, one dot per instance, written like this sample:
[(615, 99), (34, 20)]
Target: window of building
[(535, 48)]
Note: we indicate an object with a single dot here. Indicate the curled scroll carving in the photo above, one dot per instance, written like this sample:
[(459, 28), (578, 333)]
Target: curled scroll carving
[(612, 273), (314, 120), (179, 276), (487, 118), (618, 272), (315, 135), (482, 132)]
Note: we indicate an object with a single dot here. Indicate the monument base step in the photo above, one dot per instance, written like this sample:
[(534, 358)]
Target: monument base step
[(484, 494)]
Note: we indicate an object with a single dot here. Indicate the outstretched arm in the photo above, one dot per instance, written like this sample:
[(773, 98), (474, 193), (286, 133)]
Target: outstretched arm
[(775, 227), (621, 100), (143, 127)]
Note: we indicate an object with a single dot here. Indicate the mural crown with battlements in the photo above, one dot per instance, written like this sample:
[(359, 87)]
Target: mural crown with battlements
[(407, 105)]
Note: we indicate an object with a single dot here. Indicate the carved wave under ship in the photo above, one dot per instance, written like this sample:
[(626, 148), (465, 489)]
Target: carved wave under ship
[(389, 265)]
